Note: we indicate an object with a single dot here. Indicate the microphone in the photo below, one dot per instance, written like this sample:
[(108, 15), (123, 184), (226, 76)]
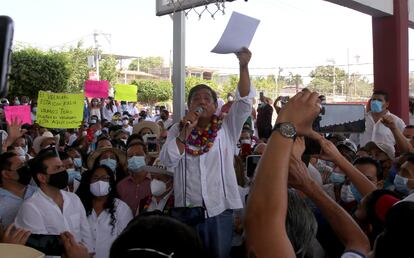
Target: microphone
[(198, 110)]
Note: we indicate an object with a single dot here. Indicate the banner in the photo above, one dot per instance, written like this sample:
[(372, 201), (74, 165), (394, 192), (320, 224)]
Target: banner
[(96, 89), (59, 110), (126, 92), (21, 114)]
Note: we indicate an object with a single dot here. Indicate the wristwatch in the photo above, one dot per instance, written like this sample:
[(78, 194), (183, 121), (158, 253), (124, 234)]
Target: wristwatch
[(286, 130)]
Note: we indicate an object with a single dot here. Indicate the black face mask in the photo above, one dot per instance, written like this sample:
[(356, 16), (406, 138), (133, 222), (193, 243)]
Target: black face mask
[(24, 175), (59, 180)]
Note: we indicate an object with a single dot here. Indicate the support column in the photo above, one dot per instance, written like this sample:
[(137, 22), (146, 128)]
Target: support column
[(178, 76), (390, 45)]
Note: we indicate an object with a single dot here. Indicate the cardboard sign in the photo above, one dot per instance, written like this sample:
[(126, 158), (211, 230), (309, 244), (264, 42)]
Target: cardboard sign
[(21, 114), (59, 110), (126, 92), (96, 89)]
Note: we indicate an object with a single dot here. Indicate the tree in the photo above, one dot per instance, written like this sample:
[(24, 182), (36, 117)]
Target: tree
[(153, 91), (294, 80), (230, 85), (107, 70), (78, 62), (324, 75), (146, 63), (33, 70), (267, 85)]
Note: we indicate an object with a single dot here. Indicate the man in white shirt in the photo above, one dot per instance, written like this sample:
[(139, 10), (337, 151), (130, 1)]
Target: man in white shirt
[(200, 150), (52, 210), (375, 130), (165, 119)]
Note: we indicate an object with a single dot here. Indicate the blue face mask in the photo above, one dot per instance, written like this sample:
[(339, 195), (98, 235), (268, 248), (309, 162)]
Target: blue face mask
[(376, 106), (77, 162), (73, 174), (135, 162), (400, 184), (356, 194), (34, 109), (337, 178), (97, 133), (111, 163)]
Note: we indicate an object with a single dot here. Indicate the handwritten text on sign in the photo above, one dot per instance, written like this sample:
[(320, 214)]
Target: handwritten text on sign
[(60, 110)]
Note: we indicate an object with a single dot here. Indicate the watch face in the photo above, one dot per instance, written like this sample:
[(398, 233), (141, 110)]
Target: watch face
[(288, 130)]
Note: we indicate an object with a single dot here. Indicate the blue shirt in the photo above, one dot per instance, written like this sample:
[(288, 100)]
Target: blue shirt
[(10, 204)]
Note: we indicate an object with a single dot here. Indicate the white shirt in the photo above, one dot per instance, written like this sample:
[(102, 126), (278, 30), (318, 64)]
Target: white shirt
[(108, 113), (132, 110), (41, 215), (209, 178), (101, 227), (167, 123), (220, 103), (377, 132), (128, 129), (154, 205)]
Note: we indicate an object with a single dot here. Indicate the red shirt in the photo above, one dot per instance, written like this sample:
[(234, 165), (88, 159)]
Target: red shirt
[(131, 193)]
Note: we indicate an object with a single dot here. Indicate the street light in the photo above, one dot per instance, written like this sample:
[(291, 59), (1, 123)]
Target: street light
[(331, 60)]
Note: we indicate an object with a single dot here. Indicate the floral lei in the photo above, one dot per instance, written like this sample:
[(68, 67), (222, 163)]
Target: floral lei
[(203, 139)]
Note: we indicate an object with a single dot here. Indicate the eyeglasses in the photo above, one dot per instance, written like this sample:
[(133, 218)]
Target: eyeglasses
[(152, 251)]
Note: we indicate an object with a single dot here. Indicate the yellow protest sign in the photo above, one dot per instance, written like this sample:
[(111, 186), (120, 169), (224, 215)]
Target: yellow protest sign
[(126, 92), (59, 110)]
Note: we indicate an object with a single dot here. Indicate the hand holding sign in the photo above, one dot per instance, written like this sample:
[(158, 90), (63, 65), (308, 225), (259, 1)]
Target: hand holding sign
[(18, 113)]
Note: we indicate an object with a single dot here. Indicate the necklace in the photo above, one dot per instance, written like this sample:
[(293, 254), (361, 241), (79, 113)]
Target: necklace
[(203, 140)]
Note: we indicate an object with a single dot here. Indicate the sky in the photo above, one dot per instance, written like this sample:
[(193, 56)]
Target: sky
[(296, 35)]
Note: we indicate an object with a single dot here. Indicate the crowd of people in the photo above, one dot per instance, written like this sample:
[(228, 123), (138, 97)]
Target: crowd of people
[(130, 184)]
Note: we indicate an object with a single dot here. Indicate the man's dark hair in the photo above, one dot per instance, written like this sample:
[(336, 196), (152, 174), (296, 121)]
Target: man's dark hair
[(138, 143), (161, 233), (382, 93), (36, 165), (134, 137), (63, 155), (396, 240), (371, 161), (200, 87), (5, 163)]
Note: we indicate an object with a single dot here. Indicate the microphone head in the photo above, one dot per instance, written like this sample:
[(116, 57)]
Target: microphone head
[(199, 110)]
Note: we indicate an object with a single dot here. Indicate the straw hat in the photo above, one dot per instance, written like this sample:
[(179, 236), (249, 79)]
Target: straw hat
[(154, 127), (19, 251), (38, 140), (94, 155)]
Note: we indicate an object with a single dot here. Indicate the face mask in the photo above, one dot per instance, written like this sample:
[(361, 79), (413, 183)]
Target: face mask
[(73, 174), (246, 141), (346, 194), (84, 133), (20, 151), (400, 184), (125, 122), (337, 178), (97, 133), (357, 195), (135, 162), (230, 99), (99, 188), (124, 106), (77, 162), (24, 175), (17, 102), (119, 122), (376, 106), (158, 187), (59, 180), (111, 163), (34, 109), (124, 141), (93, 121)]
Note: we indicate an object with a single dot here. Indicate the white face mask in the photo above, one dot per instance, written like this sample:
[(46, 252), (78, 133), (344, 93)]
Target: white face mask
[(158, 187), (99, 188), (20, 151), (346, 194), (125, 122), (246, 141)]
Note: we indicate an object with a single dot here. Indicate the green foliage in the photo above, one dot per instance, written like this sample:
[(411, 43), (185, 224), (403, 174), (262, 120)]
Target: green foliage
[(267, 85), (153, 91), (33, 70), (146, 63), (322, 76), (230, 85), (107, 70), (190, 82), (78, 62)]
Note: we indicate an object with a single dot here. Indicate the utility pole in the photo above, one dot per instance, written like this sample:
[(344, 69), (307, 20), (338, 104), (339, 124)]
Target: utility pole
[(348, 77), (95, 39), (331, 60)]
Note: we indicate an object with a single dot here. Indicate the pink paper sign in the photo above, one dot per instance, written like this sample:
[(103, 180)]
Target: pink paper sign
[(96, 89), (19, 113)]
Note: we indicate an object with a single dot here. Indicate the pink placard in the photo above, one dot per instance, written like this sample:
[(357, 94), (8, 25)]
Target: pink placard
[(22, 113), (96, 89)]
